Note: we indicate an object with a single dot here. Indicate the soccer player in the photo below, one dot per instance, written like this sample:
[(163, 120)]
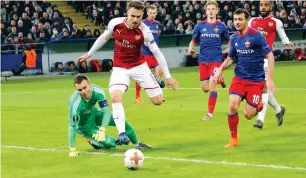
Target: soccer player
[(91, 122), (154, 27), (129, 35), (250, 48), (209, 33), (268, 26)]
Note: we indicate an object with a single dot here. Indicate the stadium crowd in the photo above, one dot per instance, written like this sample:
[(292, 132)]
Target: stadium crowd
[(40, 21)]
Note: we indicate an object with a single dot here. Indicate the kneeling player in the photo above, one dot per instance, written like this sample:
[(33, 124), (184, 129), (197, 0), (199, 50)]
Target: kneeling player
[(91, 122)]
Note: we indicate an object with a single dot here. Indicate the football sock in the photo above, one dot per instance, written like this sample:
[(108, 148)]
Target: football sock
[(262, 113), (212, 102), (233, 121), (138, 88), (130, 132), (119, 116), (274, 103)]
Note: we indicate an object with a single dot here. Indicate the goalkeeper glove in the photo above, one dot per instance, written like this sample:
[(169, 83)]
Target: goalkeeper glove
[(100, 134), (73, 152)]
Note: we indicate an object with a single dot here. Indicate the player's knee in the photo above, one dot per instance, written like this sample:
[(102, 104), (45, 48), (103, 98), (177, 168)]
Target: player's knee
[(116, 98), (233, 107), (205, 89), (249, 114), (157, 100)]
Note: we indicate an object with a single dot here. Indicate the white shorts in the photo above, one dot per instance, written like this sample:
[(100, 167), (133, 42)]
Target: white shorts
[(266, 68), (121, 77)]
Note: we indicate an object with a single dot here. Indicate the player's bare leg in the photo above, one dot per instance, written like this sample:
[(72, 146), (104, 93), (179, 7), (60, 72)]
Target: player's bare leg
[(205, 86), (119, 114), (212, 99), (157, 100), (233, 120)]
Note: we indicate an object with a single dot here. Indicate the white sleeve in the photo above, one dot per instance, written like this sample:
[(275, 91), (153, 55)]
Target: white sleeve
[(100, 42), (150, 42), (281, 32), (250, 22)]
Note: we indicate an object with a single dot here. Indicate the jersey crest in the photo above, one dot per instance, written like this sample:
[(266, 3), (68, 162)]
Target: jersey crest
[(216, 30), (247, 43)]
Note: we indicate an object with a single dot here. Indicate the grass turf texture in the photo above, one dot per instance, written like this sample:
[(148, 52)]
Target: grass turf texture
[(34, 114)]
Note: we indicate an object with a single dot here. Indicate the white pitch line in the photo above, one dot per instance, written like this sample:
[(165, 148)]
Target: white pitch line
[(165, 158)]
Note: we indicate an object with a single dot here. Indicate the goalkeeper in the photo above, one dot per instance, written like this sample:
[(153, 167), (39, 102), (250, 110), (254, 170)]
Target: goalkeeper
[(90, 121)]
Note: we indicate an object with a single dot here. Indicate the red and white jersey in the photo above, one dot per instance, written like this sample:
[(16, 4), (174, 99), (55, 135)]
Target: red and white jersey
[(268, 27), (127, 42)]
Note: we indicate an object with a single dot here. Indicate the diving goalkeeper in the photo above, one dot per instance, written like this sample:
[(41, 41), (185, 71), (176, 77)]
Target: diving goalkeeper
[(90, 121)]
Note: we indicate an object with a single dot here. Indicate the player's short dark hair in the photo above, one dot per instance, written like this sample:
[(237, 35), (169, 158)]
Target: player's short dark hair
[(136, 4), (242, 11), (79, 78)]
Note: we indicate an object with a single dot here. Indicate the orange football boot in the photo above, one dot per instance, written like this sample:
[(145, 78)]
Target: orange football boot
[(139, 100), (232, 143)]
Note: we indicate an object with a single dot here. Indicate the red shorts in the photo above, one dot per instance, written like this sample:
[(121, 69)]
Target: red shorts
[(208, 69), (247, 89), (151, 61)]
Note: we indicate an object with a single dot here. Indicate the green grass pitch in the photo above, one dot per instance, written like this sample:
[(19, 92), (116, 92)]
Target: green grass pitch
[(34, 115)]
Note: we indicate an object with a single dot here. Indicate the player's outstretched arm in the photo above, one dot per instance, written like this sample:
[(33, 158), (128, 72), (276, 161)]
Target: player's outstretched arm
[(282, 34), (269, 82), (71, 135), (100, 42)]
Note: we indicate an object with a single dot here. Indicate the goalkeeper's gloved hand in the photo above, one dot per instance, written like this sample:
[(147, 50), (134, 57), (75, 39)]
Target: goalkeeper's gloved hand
[(100, 134), (73, 152)]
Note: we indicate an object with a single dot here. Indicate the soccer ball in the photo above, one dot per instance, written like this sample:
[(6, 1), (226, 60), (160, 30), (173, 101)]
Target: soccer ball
[(133, 159)]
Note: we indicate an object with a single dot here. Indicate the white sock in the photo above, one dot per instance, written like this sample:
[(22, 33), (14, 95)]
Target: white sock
[(274, 103), (262, 113), (119, 116)]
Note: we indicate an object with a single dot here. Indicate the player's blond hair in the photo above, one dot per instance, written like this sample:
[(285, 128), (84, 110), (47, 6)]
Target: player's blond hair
[(152, 7), (211, 2)]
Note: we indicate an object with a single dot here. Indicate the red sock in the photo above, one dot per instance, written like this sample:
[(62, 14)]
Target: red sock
[(138, 88), (212, 101), (233, 121)]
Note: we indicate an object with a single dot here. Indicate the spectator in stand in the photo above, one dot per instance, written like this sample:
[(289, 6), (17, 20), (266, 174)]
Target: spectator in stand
[(230, 26), (291, 55), (65, 16), (284, 56), (26, 21), (83, 67), (85, 30), (13, 32), (298, 23), (67, 25), (180, 29), (97, 33), (88, 35), (30, 40), (77, 30), (189, 30), (45, 18), (55, 36), (71, 68), (65, 35)]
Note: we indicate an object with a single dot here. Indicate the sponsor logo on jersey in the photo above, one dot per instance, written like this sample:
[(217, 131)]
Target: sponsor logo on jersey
[(125, 43), (245, 51), (119, 31), (247, 43), (210, 35), (137, 37), (204, 29)]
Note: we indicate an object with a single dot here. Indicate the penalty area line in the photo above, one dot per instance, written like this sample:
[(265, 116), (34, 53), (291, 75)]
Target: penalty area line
[(164, 158)]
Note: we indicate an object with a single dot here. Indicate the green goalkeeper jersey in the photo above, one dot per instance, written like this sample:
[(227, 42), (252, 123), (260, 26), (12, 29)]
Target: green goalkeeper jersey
[(82, 113)]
